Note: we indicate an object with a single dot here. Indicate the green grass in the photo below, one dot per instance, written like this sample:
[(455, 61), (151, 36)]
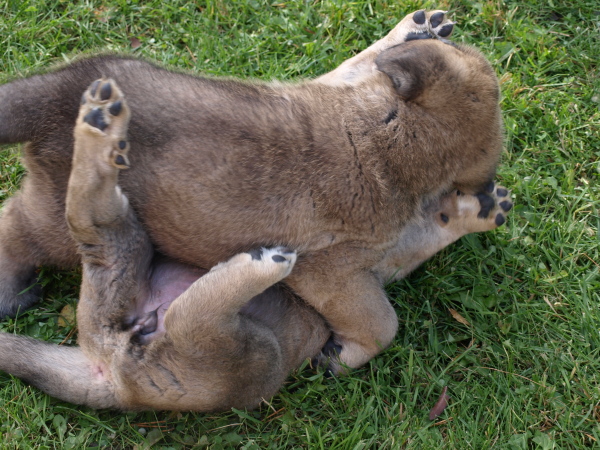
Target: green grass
[(525, 374)]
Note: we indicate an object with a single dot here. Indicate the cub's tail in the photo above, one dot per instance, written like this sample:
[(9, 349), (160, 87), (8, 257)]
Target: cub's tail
[(62, 372)]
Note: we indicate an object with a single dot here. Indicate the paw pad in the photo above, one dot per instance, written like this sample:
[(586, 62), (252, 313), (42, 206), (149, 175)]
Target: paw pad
[(465, 213), (104, 109), (494, 202), (430, 25)]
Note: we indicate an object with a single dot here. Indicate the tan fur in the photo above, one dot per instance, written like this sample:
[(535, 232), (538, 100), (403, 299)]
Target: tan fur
[(211, 348), (336, 168)]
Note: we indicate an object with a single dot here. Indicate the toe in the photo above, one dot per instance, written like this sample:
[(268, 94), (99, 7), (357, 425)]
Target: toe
[(94, 88), (419, 17), (500, 219), (446, 30), (105, 91), (116, 108), (436, 19), (502, 192), (506, 205)]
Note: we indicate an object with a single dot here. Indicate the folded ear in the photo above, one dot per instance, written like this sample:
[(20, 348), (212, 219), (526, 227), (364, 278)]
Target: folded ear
[(413, 66)]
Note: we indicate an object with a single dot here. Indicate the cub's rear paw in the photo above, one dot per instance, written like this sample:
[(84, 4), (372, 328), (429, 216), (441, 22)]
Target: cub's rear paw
[(104, 115), (464, 213), (427, 25)]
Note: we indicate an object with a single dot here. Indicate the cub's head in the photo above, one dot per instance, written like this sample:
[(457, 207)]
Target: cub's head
[(456, 90)]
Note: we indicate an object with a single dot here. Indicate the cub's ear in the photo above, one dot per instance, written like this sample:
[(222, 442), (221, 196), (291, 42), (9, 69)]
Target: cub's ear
[(412, 66)]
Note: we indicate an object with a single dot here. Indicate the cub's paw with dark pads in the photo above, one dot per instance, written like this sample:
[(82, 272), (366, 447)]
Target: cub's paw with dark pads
[(280, 260), (494, 204), (461, 213), (105, 113), (428, 25)]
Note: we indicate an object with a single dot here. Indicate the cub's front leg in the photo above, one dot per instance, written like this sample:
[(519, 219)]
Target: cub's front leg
[(442, 222), (340, 284), (218, 296)]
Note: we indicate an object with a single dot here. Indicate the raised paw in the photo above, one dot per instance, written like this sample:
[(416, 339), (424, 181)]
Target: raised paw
[(465, 213), (495, 203), (280, 259), (426, 25), (104, 114), (269, 265)]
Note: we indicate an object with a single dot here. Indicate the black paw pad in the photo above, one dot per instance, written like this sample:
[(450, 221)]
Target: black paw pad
[(256, 254), (489, 187), (115, 108), (96, 119), (436, 19), (499, 219), (331, 348), (121, 161), (506, 205), (444, 218), (278, 258), (501, 192), (419, 17), (487, 204), (122, 145), (105, 91), (446, 30), (94, 88), (416, 36)]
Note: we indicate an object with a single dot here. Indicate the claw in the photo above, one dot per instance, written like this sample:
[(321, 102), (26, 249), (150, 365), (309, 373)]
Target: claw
[(94, 88)]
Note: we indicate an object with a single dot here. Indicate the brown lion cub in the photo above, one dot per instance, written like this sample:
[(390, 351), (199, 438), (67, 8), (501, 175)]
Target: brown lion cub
[(337, 168), (157, 334)]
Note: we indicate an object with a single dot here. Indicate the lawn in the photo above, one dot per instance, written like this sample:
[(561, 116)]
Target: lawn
[(521, 366)]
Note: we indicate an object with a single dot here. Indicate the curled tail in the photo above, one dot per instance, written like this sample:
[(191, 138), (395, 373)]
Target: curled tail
[(62, 372)]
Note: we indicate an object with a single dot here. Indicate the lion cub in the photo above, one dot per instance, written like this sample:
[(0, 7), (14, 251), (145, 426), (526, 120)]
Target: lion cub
[(158, 334), (357, 170)]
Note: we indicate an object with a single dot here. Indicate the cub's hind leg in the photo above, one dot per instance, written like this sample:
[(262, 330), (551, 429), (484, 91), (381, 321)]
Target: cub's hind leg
[(94, 199), (115, 250), (116, 257), (32, 234)]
